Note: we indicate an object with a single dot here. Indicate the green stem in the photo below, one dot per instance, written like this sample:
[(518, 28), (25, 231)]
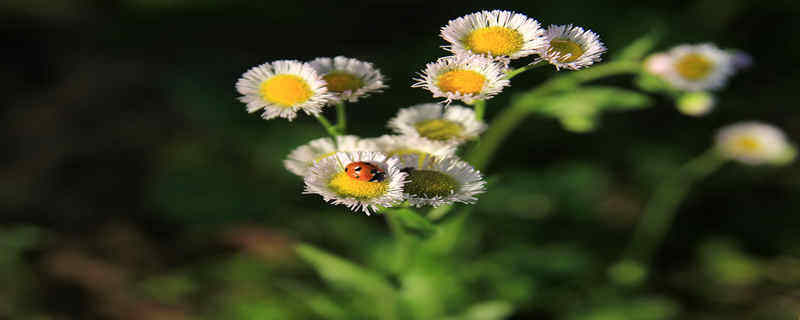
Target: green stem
[(502, 125), (510, 117), (660, 211), (480, 109), (401, 240), (327, 125), (515, 72), (439, 212), (341, 118)]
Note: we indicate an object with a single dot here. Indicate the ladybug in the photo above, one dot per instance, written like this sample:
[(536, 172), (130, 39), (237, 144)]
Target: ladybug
[(365, 171)]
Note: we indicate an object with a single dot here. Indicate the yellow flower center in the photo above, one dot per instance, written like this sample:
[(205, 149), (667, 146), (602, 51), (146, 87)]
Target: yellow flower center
[(496, 41), (748, 144), (344, 185), (694, 66), (439, 129), (566, 49), (464, 81), (429, 183), (285, 90), (341, 81)]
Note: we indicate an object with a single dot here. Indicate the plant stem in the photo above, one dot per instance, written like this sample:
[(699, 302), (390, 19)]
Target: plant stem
[(480, 109), (515, 72), (401, 240), (341, 118), (510, 117), (661, 210), (501, 127), (327, 125)]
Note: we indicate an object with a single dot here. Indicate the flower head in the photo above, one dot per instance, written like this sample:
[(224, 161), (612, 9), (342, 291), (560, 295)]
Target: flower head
[(282, 88), (395, 146), (453, 124), (303, 157), (436, 182), (754, 143), (465, 78), (571, 47), (348, 79), (497, 33), (329, 179), (696, 104), (698, 67)]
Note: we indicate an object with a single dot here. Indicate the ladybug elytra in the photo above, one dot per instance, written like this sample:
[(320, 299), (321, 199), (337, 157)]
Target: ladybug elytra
[(365, 171)]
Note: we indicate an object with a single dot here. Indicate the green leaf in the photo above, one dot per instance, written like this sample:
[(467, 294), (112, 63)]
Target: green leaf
[(639, 47), (652, 83), (345, 274), (410, 219), (578, 110), (377, 294)]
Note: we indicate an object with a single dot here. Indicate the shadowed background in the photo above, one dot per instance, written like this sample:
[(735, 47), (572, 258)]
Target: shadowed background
[(135, 186)]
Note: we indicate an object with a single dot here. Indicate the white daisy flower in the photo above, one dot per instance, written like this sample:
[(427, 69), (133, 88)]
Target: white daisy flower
[(699, 67), (698, 103), (754, 143), (282, 88), (497, 33), (465, 78), (571, 47), (453, 124), (408, 145), (380, 184), (303, 157), (436, 182), (348, 79)]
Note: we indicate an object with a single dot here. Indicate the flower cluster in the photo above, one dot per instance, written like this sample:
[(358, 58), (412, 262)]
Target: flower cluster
[(484, 43), (418, 166)]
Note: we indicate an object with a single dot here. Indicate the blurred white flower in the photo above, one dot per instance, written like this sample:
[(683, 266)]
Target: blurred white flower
[(754, 143)]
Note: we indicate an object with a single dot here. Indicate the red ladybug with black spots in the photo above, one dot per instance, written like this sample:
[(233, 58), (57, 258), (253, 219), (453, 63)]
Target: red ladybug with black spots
[(365, 171)]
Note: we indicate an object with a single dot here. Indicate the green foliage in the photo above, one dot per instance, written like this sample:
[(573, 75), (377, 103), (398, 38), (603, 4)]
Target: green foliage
[(639, 48), (411, 220), (578, 110)]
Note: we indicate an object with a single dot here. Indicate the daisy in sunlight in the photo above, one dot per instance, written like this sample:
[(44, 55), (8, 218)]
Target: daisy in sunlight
[(365, 181), (282, 88), (502, 34), (465, 78)]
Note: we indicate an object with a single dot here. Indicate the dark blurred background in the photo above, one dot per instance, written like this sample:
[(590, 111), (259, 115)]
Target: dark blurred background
[(134, 186)]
